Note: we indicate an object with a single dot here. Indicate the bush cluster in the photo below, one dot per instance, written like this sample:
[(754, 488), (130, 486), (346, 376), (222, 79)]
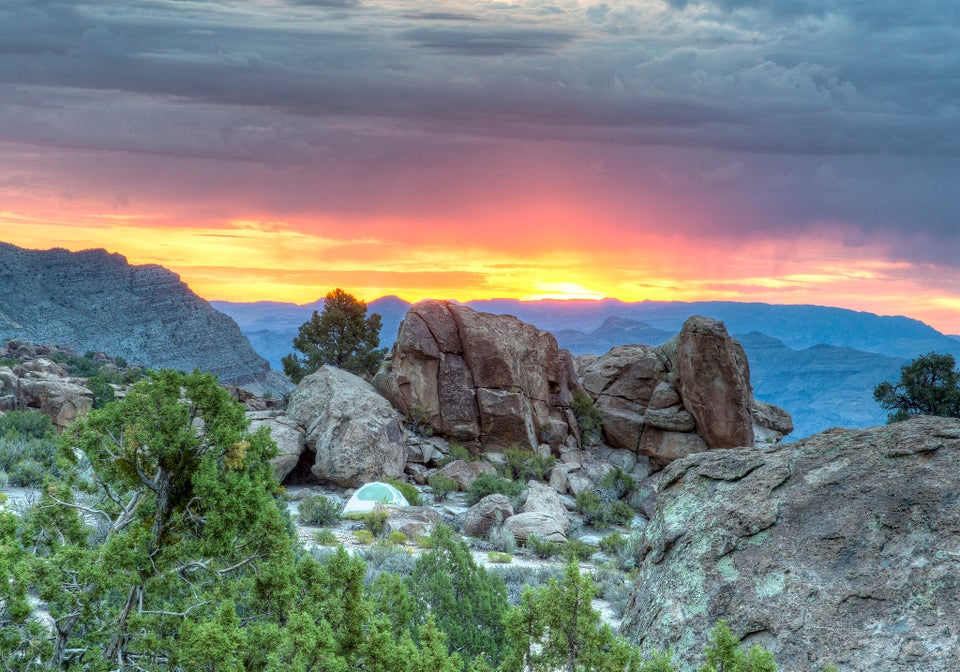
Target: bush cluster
[(489, 484), (442, 485), (502, 539), (319, 510), (600, 513), (588, 419), (542, 548), (523, 465), (615, 484), (27, 448)]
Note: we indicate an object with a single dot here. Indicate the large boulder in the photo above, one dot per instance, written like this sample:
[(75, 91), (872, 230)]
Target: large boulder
[(288, 435), (63, 399), (465, 473), (529, 523), (489, 511), (356, 435), (714, 379), (688, 395), (541, 498), (484, 380), (839, 549), (413, 521)]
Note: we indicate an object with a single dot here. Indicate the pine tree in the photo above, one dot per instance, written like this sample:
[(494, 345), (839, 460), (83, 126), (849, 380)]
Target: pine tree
[(342, 336)]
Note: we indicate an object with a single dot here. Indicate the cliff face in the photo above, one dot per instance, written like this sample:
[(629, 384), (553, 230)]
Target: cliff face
[(94, 300)]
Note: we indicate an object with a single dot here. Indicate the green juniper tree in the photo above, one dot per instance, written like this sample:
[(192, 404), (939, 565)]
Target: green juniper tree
[(178, 535), (929, 385), (556, 628), (342, 336), (467, 601)]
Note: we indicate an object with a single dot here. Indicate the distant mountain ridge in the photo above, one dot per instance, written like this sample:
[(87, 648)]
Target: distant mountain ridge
[(95, 300), (819, 363)]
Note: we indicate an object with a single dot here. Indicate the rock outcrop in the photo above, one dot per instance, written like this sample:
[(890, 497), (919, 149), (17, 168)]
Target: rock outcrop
[(714, 383), (843, 548), (356, 435), (94, 300), (483, 380), (686, 396), (288, 435)]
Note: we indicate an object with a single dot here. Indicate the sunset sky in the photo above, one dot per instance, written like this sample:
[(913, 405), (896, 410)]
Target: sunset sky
[(790, 151)]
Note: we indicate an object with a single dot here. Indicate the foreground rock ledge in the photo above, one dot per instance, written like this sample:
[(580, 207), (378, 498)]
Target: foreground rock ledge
[(843, 548)]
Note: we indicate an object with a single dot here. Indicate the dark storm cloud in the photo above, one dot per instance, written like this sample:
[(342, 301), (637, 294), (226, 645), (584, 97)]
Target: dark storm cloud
[(789, 91), (488, 42)]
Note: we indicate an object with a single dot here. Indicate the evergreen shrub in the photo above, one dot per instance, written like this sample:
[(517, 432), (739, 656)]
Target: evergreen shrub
[(489, 484), (320, 510)]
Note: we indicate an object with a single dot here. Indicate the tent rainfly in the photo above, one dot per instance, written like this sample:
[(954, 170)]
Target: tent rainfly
[(369, 495)]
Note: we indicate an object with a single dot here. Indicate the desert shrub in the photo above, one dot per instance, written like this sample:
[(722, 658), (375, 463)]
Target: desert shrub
[(26, 425), (27, 473), (409, 492), (3, 496), (459, 452), (418, 421), (502, 539), (577, 550), (375, 521), (397, 538), (384, 557), (489, 484), (591, 508), (541, 547), (27, 461), (601, 514), (442, 485), (320, 510), (626, 558), (364, 537), (519, 577), (588, 419), (4, 479), (103, 392), (616, 484), (619, 513), (523, 465), (325, 537), (499, 558), (613, 586), (613, 543)]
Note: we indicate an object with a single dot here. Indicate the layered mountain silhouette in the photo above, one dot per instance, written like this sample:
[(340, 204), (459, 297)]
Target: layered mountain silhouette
[(94, 300)]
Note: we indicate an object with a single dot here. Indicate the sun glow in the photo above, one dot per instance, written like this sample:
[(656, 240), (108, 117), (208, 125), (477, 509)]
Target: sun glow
[(564, 291), (255, 259)]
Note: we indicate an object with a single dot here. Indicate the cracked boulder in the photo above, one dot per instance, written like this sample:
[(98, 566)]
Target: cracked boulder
[(843, 549), (688, 395), (356, 435), (487, 381)]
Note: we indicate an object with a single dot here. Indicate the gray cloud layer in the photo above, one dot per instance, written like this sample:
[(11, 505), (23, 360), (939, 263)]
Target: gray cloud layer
[(790, 112)]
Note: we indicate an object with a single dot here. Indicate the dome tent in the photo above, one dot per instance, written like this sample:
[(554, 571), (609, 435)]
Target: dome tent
[(369, 495)]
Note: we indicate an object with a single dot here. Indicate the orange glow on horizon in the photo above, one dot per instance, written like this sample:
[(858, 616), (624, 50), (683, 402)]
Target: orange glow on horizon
[(256, 260)]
